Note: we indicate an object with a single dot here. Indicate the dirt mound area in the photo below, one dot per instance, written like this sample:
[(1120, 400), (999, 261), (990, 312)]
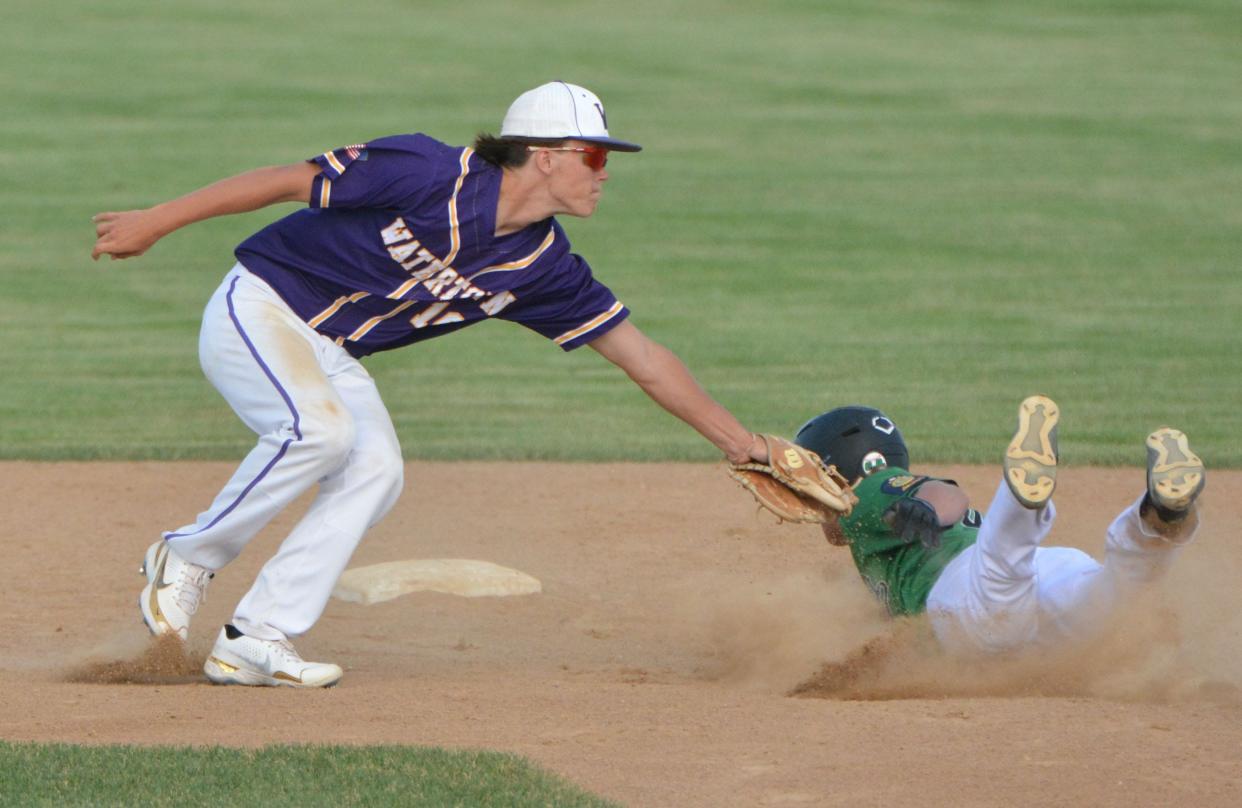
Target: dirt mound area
[(685, 650)]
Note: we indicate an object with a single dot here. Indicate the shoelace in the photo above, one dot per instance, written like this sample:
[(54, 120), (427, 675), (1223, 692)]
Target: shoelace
[(191, 587), (290, 653)]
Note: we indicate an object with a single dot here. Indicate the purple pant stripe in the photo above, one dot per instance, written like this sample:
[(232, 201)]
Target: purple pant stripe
[(283, 447)]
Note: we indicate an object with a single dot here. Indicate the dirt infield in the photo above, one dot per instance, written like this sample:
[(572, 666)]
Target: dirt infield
[(656, 667)]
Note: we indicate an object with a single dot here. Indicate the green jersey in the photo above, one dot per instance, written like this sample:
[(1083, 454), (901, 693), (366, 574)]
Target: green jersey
[(900, 574)]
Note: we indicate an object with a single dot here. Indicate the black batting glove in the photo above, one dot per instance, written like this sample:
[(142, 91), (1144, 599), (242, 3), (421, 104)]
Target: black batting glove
[(912, 519)]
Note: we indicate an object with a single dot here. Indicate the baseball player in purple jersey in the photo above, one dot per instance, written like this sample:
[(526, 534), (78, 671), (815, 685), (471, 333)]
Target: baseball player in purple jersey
[(404, 239)]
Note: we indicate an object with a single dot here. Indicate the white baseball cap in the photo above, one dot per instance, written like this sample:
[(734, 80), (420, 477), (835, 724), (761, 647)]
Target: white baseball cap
[(561, 111)]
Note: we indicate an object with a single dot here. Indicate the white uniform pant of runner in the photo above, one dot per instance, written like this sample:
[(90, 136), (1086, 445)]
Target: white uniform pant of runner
[(319, 419), (1006, 592)]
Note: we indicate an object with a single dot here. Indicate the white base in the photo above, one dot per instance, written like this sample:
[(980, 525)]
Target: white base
[(451, 576)]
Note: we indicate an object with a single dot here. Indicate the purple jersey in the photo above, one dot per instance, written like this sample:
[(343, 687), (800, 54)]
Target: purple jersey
[(398, 245)]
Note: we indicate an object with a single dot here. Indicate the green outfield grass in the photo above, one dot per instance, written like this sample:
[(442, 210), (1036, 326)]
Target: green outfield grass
[(58, 775), (934, 207)]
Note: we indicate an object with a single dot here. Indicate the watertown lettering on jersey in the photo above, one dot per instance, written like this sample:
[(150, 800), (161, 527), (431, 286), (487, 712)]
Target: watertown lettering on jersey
[(436, 277)]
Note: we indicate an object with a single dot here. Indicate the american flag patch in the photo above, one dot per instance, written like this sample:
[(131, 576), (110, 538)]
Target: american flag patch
[(334, 162)]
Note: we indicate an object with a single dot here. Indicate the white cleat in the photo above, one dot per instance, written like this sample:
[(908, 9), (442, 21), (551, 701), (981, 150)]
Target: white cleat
[(174, 590), (238, 659)]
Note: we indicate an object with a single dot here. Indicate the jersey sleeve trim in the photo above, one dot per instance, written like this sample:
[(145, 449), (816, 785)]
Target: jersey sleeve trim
[(332, 165), (335, 162), (590, 325)]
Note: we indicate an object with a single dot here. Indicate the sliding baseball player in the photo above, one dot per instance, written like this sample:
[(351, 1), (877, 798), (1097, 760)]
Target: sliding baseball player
[(985, 580)]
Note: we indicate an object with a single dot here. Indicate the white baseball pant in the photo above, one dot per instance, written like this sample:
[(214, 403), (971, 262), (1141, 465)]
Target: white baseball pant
[(319, 419), (1006, 592)]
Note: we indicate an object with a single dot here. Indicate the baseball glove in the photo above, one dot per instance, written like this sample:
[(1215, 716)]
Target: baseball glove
[(795, 484)]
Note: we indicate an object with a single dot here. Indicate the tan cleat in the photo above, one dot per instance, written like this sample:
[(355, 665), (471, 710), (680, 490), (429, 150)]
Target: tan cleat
[(1031, 458), (1175, 474)]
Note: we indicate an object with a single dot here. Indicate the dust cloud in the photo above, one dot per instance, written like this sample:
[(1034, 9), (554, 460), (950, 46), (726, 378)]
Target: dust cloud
[(158, 660), (1146, 657), (821, 635), (769, 634)]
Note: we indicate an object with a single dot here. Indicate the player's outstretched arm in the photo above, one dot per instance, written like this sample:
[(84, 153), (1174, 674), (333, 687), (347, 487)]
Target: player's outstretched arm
[(667, 380), (949, 501), (125, 234), (925, 516)]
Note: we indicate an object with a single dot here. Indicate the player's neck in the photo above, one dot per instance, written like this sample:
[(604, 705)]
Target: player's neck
[(523, 201)]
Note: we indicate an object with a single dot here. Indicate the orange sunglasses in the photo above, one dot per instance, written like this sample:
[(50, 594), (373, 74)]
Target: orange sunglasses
[(596, 157)]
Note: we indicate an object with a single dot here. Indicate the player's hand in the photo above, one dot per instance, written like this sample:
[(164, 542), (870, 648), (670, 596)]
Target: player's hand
[(756, 450), (794, 484), (124, 234), (759, 450), (912, 519)]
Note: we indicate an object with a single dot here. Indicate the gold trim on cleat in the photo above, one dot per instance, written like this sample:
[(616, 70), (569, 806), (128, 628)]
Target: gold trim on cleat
[(222, 665), (1031, 457), (157, 585)]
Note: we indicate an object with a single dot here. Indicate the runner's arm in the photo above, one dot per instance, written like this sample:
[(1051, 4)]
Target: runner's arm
[(949, 501)]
